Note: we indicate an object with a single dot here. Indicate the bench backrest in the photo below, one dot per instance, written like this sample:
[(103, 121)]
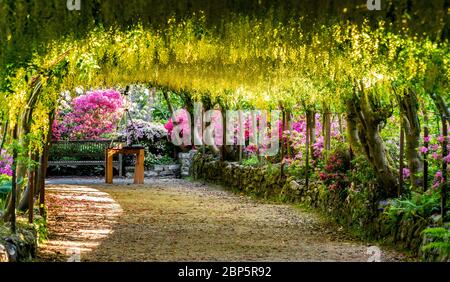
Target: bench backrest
[(86, 150)]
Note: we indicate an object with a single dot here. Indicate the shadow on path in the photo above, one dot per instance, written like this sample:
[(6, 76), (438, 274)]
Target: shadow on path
[(79, 218), (179, 220)]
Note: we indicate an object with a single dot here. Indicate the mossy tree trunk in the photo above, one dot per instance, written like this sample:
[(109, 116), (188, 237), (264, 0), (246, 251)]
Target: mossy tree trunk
[(369, 115), (409, 107)]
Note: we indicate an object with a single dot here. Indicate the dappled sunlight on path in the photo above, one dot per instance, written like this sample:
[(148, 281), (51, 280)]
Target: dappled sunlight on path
[(79, 218), (179, 220)]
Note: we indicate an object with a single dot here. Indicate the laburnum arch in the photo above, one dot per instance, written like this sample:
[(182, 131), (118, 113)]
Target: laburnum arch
[(358, 72)]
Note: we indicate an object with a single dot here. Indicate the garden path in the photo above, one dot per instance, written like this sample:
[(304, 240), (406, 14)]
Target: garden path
[(180, 220)]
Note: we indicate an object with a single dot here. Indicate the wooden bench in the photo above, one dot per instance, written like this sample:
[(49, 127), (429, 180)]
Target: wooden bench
[(83, 153)]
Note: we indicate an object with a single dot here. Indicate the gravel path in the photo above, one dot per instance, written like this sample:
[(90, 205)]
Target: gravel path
[(178, 220)]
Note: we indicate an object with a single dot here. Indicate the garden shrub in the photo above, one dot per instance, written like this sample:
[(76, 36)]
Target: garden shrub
[(93, 116), (418, 205), (334, 174), (251, 161), (436, 245), (154, 137)]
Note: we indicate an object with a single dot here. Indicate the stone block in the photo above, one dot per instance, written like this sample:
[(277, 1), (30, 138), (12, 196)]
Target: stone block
[(174, 167), (151, 173), (158, 168)]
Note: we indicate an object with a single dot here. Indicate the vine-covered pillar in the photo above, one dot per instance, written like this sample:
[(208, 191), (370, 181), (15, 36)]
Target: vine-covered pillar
[(411, 126), (312, 131), (288, 126), (282, 139), (43, 164), (326, 127), (426, 139), (309, 121), (224, 138), (402, 164), (444, 167), (241, 142), (11, 212)]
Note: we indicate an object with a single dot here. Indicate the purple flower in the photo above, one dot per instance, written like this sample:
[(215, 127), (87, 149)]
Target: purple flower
[(6, 162), (438, 180), (406, 172), (447, 158), (426, 139), (424, 150)]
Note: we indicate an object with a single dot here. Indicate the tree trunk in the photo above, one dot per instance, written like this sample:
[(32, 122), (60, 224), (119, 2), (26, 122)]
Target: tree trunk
[(409, 107), (288, 126), (311, 116), (5, 130), (352, 127), (24, 129), (327, 131), (369, 119), (43, 163), (10, 214)]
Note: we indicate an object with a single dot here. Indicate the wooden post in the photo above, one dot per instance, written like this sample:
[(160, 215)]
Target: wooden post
[(139, 168), (109, 155)]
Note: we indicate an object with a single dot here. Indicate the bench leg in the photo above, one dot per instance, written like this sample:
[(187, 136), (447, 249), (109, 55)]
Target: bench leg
[(109, 168), (139, 168)]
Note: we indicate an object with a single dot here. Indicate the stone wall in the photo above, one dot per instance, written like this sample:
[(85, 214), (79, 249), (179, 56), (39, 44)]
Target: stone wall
[(158, 171), (19, 247), (186, 162), (358, 208)]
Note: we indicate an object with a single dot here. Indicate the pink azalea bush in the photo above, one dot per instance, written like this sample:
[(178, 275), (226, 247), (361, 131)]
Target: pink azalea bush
[(433, 146), (92, 116)]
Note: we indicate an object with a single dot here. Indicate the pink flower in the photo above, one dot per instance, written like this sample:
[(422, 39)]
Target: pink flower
[(426, 139), (91, 116), (447, 158), (6, 161), (424, 150), (440, 138), (406, 173), (169, 126), (438, 180)]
